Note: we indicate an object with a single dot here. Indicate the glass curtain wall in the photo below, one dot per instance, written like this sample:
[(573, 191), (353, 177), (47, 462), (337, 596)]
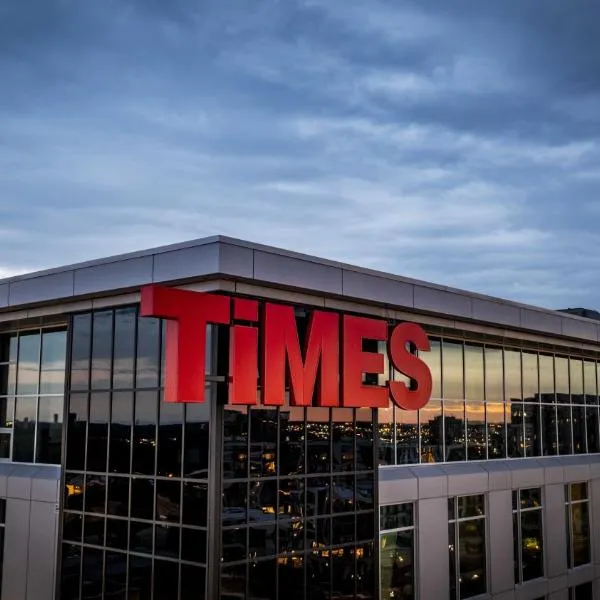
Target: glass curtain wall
[(136, 469), (492, 402)]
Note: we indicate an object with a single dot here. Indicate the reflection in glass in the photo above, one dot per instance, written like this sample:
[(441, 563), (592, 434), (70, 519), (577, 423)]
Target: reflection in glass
[(576, 381), (531, 392), (263, 441), (474, 388), (396, 516), (49, 429), (291, 440), (140, 537), (579, 435), (24, 430), (549, 434), (144, 432), (97, 451), (93, 530), (117, 533), (170, 439), (318, 435), (433, 359), (452, 370), (80, 351), (476, 431), (197, 430), (193, 545), (76, 431), (235, 441), (431, 428), (102, 349), (70, 570), (494, 374), (28, 365), (496, 430), (532, 545), (124, 348), (515, 430), (92, 573), (166, 580), (342, 439), (407, 436), (148, 349), (168, 501), (233, 581), (195, 504), (262, 580), (262, 500), (512, 375), (532, 421), (592, 429), (589, 382), (166, 540), (118, 496), (471, 558), (140, 577), (547, 378), (121, 419), (342, 574), (454, 430), (115, 575), (580, 526), (563, 419), (142, 498), (561, 375), (385, 425), (52, 372)]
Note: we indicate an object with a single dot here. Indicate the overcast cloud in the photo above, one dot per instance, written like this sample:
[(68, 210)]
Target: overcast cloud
[(456, 142)]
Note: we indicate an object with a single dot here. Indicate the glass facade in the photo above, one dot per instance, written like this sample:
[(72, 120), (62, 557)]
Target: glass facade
[(528, 532), (492, 402), (32, 385), (397, 552), (577, 515), (467, 546)]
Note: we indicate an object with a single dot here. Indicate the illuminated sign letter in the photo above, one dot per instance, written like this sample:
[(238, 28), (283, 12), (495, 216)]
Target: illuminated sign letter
[(321, 356), (188, 313)]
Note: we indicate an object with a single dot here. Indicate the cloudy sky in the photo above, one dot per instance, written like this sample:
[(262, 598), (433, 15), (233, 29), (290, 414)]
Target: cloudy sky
[(456, 142)]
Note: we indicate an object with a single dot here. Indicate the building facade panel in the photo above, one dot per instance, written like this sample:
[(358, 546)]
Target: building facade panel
[(378, 289), (185, 263), (122, 274), (39, 289)]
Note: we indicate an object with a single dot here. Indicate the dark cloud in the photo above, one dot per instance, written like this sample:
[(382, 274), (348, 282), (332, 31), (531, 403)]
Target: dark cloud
[(453, 141)]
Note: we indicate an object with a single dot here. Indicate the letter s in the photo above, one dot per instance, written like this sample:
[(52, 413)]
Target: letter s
[(409, 365)]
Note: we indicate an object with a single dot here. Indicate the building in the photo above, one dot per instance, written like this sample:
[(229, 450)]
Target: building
[(490, 490)]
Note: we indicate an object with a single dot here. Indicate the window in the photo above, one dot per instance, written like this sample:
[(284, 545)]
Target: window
[(584, 591), (32, 377), (2, 525), (577, 508), (467, 545), (528, 534), (397, 552)]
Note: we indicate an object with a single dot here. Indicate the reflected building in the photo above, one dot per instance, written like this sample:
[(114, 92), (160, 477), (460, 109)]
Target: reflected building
[(109, 492)]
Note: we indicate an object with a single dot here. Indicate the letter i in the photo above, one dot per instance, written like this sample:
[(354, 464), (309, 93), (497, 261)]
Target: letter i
[(243, 354)]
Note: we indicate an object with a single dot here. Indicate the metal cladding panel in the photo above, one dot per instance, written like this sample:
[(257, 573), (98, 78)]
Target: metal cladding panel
[(16, 550), (541, 321), (20, 481), (185, 263), (433, 482), (555, 531), (397, 485), (433, 566), (4, 288), (43, 522), (537, 588), (38, 289), (45, 486), (443, 302), (466, 479), (595, 511), (586, 330), (285, 270), (501, 537), (496, 312), (236, 261), (113, 276), (378, 289)]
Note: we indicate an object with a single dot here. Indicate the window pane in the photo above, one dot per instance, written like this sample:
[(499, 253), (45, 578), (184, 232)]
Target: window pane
[(549, 441), (471, 506), (5, 445), (120, 432), (531, 498), (471, 556), (318, 440), (579, 437), (118, 496), (433, 359), (494, 375), (515, 430), (170, 439), (263, 441), (102, 349), (563, 418), (166, 580), (579, 491), (52, 377), (70, 570), (561, 374), (144, 432), (7, 411), (24, 434), (547, 378), (396, 516), (397, 562), (407, 436), (124, 347), (235, 441), (532, 545), (589, 382), (476, 442), (532, 422), (454, 430), (196, 440), (29, 361), (530, 377), (80, 351), (452, 370), (140, 577), (97, 452), (474, 372), (148, 349), (452, 560), (76, 431), (49, 430), (385, 424), (496, 430), (431, 428), (592, 429), (581, 533), (512, 375), (342, 439), (576, 380)]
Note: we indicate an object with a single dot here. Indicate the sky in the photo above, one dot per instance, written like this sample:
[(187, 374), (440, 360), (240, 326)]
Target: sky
[(454, 142)]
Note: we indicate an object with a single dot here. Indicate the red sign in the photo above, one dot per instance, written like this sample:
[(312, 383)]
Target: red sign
[(330, 367)]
